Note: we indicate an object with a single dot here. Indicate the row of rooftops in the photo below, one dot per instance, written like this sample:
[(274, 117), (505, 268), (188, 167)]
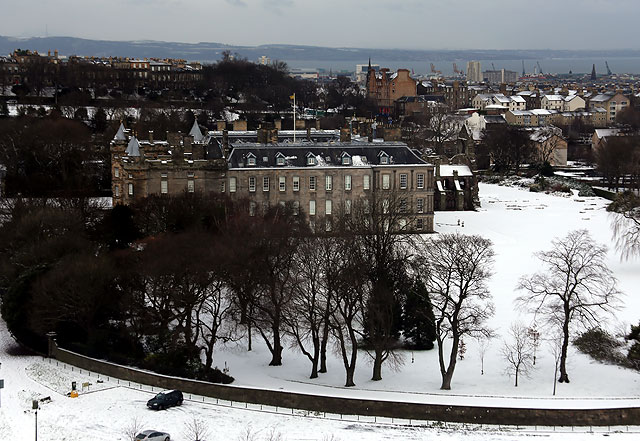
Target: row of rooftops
[(324, 150), (323, 155), (152, 64), (548, 112)]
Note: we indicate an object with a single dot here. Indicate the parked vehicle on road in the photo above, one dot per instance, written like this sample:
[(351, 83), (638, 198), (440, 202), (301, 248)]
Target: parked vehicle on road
[(165, 399), (153, 435)]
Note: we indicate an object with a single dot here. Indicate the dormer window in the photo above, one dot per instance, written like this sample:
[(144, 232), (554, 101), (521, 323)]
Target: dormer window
[(280, 159), (311, 159), (346, 159), (251, 159), (384, 158)]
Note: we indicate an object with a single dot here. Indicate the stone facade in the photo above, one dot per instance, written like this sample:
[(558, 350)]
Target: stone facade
[(324, 180), (180, 164), (612, 103), (320, 179), (385, 88)]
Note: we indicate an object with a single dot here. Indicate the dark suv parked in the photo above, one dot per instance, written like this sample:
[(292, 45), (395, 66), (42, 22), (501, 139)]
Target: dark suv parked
[(165, 399)]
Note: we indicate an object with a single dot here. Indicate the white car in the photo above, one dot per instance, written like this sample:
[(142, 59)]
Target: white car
[(152, 435)]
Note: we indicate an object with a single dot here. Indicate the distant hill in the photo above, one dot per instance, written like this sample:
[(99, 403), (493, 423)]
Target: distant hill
[(292, 54)]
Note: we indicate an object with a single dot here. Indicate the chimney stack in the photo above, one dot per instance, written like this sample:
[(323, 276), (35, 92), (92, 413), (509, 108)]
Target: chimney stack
[(150, 136), (345, 134), (225, 143)]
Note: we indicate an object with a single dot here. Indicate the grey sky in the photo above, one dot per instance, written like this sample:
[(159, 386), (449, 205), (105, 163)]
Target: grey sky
[(411, 24)]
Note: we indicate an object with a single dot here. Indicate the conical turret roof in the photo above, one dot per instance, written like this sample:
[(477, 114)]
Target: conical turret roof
[(120, 136), (196, 132), (133, 149)]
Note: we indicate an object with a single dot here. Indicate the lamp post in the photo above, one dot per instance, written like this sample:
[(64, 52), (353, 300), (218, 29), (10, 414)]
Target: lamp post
[(34, 406)]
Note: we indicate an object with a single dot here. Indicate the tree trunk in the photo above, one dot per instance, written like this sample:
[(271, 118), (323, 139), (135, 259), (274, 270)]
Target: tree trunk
[(249, 343), (350, 371), (209, 355), (517, 377), (564, 377), (276, 353), (323, 346), (447, 374), (316, 355), (377, 366), (446, 380)]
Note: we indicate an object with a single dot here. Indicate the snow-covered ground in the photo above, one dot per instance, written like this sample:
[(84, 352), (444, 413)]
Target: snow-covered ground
[(517, 222)]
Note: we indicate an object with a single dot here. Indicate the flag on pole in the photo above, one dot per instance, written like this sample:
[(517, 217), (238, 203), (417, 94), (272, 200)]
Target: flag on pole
[(292, 97)]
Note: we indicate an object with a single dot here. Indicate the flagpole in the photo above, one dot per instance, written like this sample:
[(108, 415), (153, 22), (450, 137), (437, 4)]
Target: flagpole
[(294, 118)]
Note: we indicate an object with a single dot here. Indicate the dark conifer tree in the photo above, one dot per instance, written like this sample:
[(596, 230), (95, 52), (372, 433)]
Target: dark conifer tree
[(419, 321)]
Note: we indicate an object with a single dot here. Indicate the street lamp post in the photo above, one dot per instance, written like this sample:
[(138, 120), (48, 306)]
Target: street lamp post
[(34, 406)]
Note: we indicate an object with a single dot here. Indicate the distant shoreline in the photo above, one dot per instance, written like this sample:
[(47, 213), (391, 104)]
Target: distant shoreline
[(342, 59)]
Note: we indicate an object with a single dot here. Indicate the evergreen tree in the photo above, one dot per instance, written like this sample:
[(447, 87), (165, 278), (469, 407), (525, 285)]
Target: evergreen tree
[(419, 321)]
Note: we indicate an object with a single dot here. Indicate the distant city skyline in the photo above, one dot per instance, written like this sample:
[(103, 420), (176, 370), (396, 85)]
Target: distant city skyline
[(407, 24)]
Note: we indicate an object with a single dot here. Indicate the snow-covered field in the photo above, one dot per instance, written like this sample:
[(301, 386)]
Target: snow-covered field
[(517, 222)]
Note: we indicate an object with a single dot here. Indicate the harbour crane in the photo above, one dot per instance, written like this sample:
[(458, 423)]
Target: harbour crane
[(606, 63), (539, 68), (433, 69)]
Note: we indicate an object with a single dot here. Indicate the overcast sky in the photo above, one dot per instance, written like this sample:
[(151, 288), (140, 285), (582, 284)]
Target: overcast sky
[(410, 24)]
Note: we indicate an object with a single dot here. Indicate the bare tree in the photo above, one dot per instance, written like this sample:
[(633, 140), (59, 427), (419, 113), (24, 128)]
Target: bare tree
[(132, 429), (347, 312), (575, 286), (214, 318), (484, 342), (455, 269), (305, 313), (196, 430), (625, 221), (548, 139), (518, 351)]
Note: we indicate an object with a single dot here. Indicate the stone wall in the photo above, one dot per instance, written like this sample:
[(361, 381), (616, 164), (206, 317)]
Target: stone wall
[(354, 406)]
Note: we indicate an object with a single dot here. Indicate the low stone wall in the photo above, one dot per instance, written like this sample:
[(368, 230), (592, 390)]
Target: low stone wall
[(354, 406), (611, 195)]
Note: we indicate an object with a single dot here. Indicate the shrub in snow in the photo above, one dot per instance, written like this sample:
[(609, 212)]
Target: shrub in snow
[(600, 345)]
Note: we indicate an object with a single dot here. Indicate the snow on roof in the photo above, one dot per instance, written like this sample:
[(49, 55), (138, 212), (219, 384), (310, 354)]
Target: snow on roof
[(540, 135), (447, 170), (554, 97), (542, 112), (521, 112), (601, 133), (517, 99), (501, 98), (357, 160), (601, 98)]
